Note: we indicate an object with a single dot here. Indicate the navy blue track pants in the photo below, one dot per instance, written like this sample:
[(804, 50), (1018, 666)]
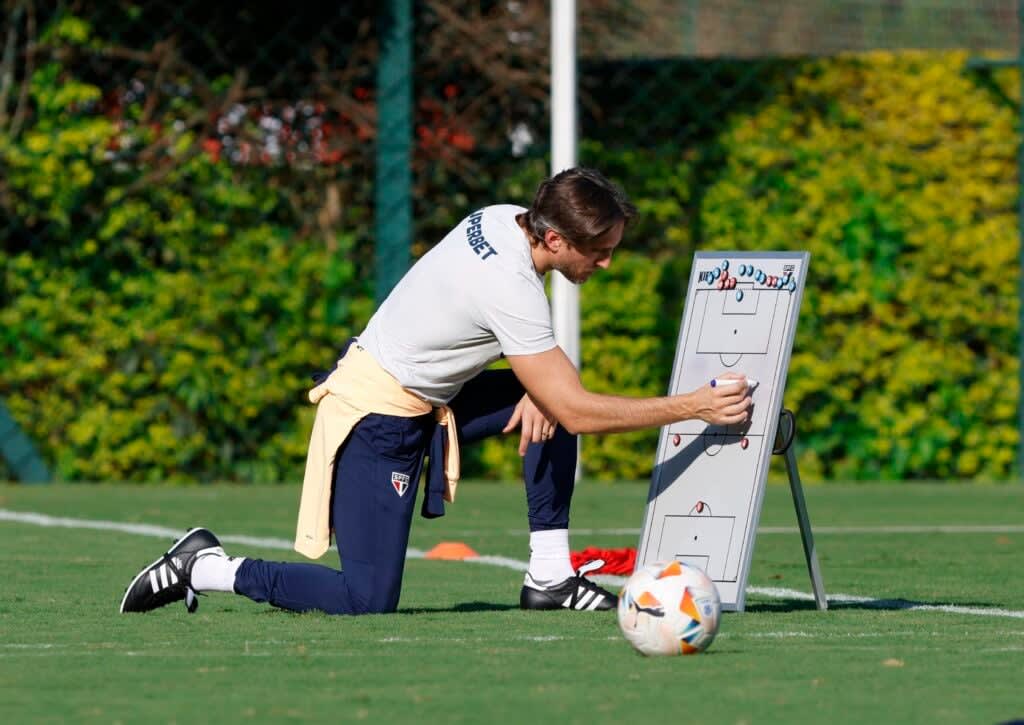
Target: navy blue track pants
[(376, 479)]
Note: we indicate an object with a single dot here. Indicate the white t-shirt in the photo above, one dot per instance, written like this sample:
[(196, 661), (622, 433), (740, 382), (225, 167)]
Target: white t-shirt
[(471, 298)]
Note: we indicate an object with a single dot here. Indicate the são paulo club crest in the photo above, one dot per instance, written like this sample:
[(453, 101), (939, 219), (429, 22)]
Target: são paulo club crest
[(400, 482)]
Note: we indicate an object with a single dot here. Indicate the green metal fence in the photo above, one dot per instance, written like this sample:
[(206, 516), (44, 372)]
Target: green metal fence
[(139, 138)]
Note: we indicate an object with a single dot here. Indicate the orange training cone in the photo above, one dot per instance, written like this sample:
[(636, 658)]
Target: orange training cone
[(451, 551)]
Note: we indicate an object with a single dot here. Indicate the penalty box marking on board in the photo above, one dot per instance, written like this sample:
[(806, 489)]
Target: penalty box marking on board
[(738, 330), (699, 540)]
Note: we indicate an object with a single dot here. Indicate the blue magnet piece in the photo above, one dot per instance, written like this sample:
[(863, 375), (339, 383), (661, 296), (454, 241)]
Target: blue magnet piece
[(725, 264), (739, 295), (792, 286), (760, 277), (779, 283), (717, 273), (743, 270)]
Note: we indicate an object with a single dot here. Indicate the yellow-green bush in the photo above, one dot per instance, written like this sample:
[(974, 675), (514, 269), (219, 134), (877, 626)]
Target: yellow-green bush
[(178, 375), (897, 173), (158, 320)]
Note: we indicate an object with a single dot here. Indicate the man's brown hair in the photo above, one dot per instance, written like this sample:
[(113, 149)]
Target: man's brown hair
[(580, 204)]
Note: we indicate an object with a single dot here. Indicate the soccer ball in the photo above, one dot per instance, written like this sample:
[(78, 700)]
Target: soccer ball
[(669, 608)]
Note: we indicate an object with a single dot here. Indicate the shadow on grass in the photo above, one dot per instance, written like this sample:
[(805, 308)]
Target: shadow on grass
[(272, 611), (781, 605), (461, 607), (803, 605)]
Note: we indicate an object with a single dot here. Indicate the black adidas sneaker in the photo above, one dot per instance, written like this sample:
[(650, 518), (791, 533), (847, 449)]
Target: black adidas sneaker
[(166, 580), (576, 592)]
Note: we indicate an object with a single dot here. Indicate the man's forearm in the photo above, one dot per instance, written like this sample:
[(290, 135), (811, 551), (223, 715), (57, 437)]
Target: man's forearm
[(554, 385), (596, 413)]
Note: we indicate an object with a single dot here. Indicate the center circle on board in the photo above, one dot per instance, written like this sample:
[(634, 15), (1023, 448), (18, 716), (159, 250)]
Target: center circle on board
[(712, 444)]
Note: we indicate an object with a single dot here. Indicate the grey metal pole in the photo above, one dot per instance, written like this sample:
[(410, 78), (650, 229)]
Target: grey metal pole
[(393, 213), (565, 296)]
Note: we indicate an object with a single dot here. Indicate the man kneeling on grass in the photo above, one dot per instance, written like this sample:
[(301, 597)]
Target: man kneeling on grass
[(414, 384)]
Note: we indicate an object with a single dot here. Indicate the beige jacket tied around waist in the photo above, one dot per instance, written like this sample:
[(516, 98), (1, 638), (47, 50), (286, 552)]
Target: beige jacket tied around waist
[(357, 387)]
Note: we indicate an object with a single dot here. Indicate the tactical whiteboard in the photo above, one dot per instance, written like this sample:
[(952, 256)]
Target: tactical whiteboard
[(708, 481)]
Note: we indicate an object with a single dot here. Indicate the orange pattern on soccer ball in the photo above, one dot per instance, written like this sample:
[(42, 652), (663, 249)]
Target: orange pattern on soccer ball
[(673, 569), (689, 607), (648, 601), (686, 648)]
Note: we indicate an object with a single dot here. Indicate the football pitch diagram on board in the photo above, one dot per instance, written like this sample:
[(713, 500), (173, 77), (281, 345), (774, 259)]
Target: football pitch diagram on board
[(708, 481)]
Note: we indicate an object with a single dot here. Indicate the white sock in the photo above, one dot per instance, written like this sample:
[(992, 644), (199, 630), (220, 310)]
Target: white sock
[(549, 557), (215, 572)]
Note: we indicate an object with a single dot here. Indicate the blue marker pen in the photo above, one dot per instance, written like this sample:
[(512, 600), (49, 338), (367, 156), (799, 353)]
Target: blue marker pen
[(715, 382)]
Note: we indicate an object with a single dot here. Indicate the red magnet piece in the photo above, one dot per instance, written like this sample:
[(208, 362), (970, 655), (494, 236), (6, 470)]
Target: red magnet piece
[(676, 439), (744, 443), (700, 506), (721, 283)]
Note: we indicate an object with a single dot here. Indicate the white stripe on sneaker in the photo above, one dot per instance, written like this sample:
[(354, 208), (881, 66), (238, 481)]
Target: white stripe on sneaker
[(152, 581), (581, 603), (596, 603), (163, 574)]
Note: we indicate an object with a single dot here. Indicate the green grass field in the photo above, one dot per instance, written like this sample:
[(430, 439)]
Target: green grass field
[(459, 650)]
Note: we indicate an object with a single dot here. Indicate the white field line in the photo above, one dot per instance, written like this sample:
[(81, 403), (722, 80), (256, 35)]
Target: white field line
[(265, 647), (902, 529), (280, 643), (824, 530), (37, 519), (271, 648), (163, 532)]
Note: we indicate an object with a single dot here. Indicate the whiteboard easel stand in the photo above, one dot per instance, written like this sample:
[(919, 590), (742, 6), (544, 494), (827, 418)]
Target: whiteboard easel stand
[(784, 447)]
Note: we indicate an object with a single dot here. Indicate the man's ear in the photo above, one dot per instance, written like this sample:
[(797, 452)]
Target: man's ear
[(553, 240)]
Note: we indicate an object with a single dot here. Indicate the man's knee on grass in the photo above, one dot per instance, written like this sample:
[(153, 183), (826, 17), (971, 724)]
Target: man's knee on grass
[(370, 592)]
